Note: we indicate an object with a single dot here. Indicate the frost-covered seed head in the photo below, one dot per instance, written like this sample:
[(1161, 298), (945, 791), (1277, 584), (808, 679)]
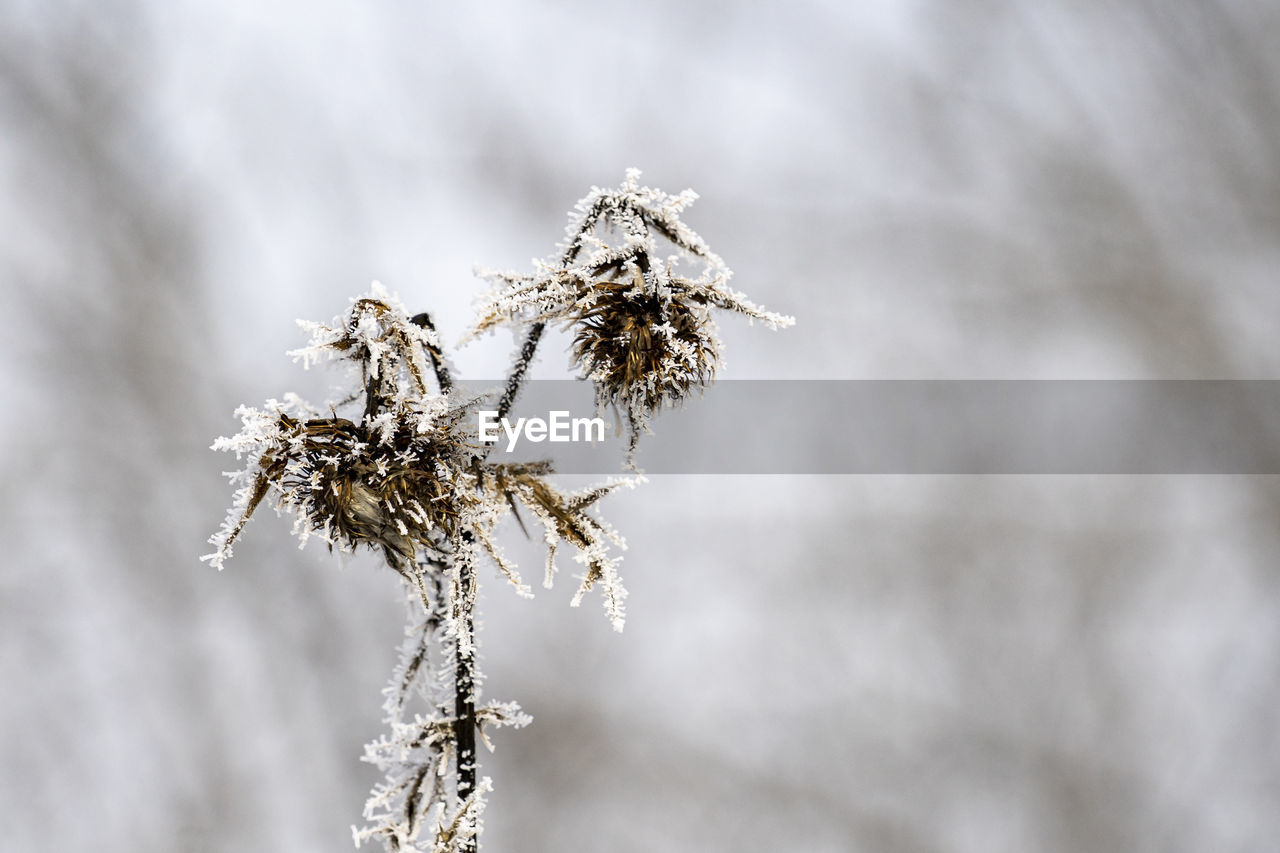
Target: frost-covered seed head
[(644, 350), (643, 332)]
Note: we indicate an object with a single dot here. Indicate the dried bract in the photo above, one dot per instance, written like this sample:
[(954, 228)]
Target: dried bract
[(566, 517)]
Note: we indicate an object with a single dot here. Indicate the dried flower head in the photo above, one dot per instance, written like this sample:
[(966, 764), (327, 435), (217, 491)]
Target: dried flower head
[(645, 348), (405, 476), (388, 478), (642, 329), (387, 485)]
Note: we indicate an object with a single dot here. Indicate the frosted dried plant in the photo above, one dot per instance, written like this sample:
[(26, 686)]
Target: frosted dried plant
[(396, 466), (642, 332)]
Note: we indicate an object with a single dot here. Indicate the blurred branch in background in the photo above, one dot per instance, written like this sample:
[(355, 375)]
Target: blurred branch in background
[(1067, 190), (130, 721)]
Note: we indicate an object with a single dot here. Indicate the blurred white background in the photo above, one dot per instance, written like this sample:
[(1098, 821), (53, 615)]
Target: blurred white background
[(935, 190)]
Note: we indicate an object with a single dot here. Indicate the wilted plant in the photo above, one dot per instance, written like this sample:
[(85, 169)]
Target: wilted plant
[(402, 471)]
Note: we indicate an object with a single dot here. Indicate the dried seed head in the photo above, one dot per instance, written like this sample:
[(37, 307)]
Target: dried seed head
[(394, 491), (643, 331), (394, 478), (642, 349)]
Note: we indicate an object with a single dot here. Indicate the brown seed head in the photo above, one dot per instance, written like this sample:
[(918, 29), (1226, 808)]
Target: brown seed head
[(394, 493), (642, 348)]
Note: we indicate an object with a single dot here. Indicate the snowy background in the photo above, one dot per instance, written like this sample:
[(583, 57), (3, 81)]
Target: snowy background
[(935, 190)]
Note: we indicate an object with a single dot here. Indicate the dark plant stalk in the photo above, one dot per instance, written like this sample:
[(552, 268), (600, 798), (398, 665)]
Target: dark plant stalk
[(464, 649), (464, 710), (518, 370), (464, 699), (437, 358)]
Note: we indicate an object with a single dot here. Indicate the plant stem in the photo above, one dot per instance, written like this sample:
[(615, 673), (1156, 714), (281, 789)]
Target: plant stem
[(518, 370), (464, 699), (437, 356)]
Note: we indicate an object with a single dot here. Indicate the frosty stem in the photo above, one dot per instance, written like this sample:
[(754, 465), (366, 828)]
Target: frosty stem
[(464, 659), (464, 701), (464, 707), (464, 698), (530, 346), (520, 368), (437, 357)]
